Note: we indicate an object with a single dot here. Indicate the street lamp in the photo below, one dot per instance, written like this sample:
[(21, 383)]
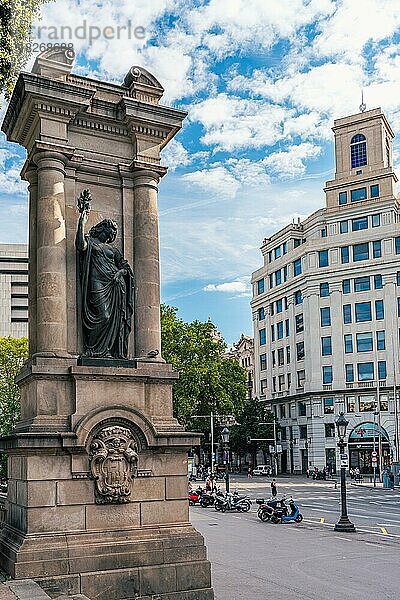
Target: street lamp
[(344, 523), (225, 441)]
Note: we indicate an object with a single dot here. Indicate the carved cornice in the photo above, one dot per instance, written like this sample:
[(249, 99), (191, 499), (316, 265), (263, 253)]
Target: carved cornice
[(87, 123)]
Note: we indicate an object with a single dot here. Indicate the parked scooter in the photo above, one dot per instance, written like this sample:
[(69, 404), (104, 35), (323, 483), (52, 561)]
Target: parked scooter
[(195, 496), (208, 498), (284, 516), (224, 502)]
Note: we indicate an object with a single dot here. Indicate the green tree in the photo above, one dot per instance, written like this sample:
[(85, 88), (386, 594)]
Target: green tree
[(13, 354), (16, 20), (253, 413), (208, 381)]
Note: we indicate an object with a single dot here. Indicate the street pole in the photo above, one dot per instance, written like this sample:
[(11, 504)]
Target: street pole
[(344, 523), (212, 441), (374, 461), (275, 453)]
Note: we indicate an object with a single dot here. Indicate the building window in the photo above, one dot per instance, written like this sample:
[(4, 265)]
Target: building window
[(277, 252), (298, 298), (346, 314), (324, 232), (261, 314), (360, 252), (303, 432), (325, 317), (281, 384), (351, 404), (272, 333), (273, 358), (288, 354), (285, 273), (398, 307), (397, 245), (384, 402), (348, 343), (359, 194), (299, 323), (274, 390), (326, 345), (362, 284), (279, 306), (358, 224), (281, 357), (279, 330), (380, 340), (284, 247), (328, 406), (300, 351), (283, 433), (302, 409), (297, 267), (263, 362), (301, 375), (285, 303), (324, 289), (271, 281), (358, 151), (363, 312), (377, 249), (263, 336), (278, 277), (282, 410), (342, 197), (382, 369), (374, 189), (376, 220), (367, 403), (379, 310), (365, 371), (346, 286), (271, 309), (264, 386), (287, 328), (323, 258), (349, 373), (364, 342), (296, 242), (378, 284), (330, 430), (344, 254), (270, 256), (344, 226), (260, 286), (327, 374)]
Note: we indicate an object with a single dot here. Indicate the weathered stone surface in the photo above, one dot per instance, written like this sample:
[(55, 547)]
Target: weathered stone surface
[(176, 487), (75, 491), (112, 516), (171, 511), (57, 518)]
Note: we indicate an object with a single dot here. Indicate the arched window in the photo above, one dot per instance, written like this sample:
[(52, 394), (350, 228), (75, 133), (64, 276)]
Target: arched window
[(358, 148)]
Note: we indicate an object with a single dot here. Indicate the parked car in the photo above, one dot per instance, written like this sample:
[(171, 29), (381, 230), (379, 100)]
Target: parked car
[(263, 470)]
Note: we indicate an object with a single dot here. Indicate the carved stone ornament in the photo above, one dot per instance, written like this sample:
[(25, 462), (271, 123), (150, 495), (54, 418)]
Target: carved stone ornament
[(113, 463)]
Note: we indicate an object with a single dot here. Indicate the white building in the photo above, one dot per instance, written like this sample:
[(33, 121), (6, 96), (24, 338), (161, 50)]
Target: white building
[(13, 290), (326, 308)]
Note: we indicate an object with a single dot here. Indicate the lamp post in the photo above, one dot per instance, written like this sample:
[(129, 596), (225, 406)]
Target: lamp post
[(344, 523), (225, 441)]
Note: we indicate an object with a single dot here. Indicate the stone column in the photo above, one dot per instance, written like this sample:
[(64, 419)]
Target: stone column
[(51, 322), (31, 176), (147, 267)]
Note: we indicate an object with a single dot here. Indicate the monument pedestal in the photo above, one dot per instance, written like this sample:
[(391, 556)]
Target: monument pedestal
[(57, 532)]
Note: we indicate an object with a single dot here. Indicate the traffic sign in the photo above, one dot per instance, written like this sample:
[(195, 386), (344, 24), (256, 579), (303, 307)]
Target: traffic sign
[(374, 454)]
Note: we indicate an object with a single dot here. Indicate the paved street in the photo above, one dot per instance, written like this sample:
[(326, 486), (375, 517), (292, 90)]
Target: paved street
[(255, 561)]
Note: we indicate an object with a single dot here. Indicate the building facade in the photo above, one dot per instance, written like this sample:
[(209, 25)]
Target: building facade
[(13, 290), (243, 352), (326, 306)]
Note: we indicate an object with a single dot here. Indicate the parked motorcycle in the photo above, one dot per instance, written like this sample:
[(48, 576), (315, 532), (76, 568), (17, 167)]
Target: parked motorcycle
[(208, 498), (267, 508), (224, 502), (195, 496), (282, 515)]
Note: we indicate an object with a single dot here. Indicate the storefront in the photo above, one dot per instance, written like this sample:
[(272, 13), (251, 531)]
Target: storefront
[(364, 439)]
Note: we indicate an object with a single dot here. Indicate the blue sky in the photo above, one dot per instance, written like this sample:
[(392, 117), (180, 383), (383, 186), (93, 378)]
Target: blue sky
[(262, 81)]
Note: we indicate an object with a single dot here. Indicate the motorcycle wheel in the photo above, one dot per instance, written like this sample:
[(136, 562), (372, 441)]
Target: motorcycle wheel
[(191, 503), (223, 508), (275, 520), (264, 516), (245, 506), (218, 506), (299, 518), (204, 503)]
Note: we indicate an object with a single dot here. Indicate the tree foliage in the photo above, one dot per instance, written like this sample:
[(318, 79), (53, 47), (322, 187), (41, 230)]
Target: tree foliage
[(16, 20), (253, 413), (208, 381), (13, 354)]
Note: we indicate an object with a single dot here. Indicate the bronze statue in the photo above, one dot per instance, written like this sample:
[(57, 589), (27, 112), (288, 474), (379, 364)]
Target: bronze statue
[(106, 287)]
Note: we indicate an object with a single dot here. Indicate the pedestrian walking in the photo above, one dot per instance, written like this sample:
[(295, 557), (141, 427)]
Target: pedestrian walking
[(249, 473), (273, 488)]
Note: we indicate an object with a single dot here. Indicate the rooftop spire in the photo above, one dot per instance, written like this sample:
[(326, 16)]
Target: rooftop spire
[(363, 106)]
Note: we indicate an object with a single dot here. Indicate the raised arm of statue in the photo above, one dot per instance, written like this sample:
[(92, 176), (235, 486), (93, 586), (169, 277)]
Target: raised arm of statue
[(80, 241)]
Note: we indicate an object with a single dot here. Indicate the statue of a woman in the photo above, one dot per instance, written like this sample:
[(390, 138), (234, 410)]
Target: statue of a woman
[(107, 289)]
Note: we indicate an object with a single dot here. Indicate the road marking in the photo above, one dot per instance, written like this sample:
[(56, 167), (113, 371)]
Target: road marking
[(384, 530), (322, 520)]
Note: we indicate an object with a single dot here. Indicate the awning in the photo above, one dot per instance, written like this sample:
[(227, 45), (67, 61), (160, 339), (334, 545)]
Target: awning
[(366, 430)]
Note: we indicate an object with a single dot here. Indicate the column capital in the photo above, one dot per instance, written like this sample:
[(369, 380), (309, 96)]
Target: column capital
[(47, 151), (141, 169), (29, 173)]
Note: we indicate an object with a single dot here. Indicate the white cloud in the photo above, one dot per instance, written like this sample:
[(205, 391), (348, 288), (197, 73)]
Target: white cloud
[(232, 287), (175, 155), (216, 180), (291, 163)]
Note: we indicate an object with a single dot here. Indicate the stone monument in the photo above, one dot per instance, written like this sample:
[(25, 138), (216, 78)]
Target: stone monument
[(97, 498)]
